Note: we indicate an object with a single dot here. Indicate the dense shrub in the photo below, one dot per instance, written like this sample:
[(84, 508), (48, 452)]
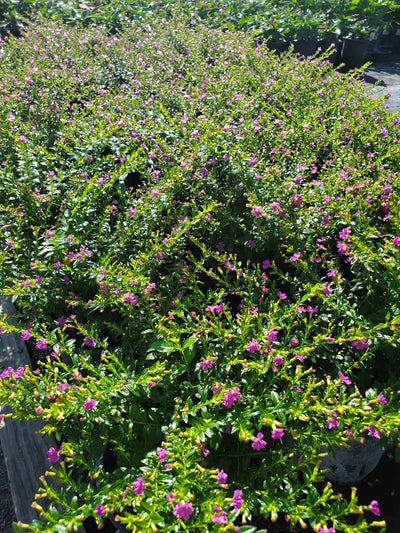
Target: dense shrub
[(203, 242), (287, 19)]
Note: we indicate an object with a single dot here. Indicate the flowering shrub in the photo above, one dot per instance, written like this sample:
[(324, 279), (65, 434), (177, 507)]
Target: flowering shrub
[(203, 245)]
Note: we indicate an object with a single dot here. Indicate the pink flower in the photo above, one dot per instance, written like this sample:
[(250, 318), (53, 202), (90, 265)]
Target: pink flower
[(382, 399), (52, 455), (256, 211), (231, 397), (325, 289), (99, 510), (277, 433), (205, 364), (89, 341), (343, 247), (130, 298), (18, 373), (252, 346), (373, 432), (25, 335), (258, 442), (361, 344), (346, 380), (220, 517), (332, 422), (138, 486), (295, 257), (396, 241), (221, 477), (344, 234), (183, 510), (237, 500), (41, 344), (89, 404), (375, 508), (272, 335), (162, 454)]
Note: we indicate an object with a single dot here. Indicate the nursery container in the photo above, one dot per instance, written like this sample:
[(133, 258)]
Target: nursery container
[(350, 464)]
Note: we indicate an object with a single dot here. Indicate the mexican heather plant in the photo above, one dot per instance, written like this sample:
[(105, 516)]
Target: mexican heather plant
[(203, 242)]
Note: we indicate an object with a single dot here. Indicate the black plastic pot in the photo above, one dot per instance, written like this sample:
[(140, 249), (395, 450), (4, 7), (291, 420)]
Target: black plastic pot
[(305, 47), (278, 46), (354, 52)]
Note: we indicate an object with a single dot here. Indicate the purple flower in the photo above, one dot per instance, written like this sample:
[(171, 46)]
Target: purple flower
[(346, 380), (237, 500), (41, 344), (256, 211), (221, 477), (52, 455), (343, 247), (220, 516), (272, 335), (277, 433), (396, 241), (205, 364), (375, 508), (257, 442), (89, 404), (130, 298), (162, 454), (252, 346), (332, 422), (361, 344), (99, 510), (138, 486), (18, 373), (231, 397), (7, 372), (382, 399), (344, 234), (295, 257), (89, 341), (183, 510), (25, 335), (373, 432)]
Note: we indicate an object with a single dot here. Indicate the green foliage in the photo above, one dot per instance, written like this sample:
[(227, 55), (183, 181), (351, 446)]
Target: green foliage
[(203, 244)]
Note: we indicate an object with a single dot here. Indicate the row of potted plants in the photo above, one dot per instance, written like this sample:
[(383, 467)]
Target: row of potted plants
[(202, 240), (290, 20)]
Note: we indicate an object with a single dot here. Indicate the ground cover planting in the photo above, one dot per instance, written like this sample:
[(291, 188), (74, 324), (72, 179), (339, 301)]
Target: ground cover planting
[(202, 241)]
